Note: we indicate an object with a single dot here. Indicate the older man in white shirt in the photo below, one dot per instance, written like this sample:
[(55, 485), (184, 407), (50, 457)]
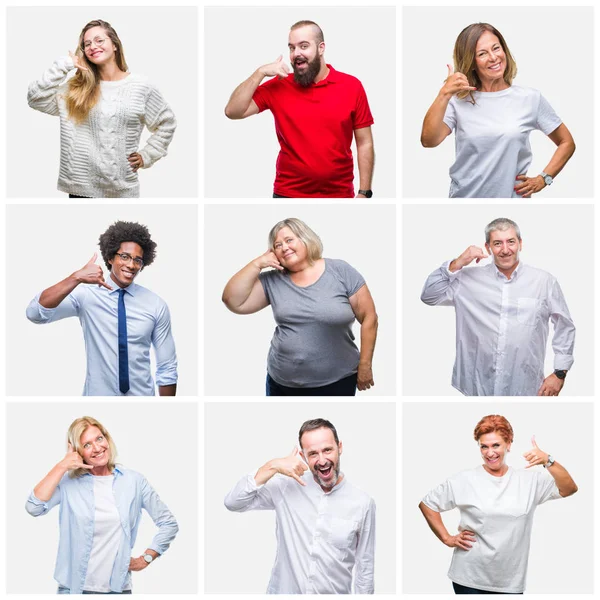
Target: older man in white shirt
[(325, 526), (502, 314)]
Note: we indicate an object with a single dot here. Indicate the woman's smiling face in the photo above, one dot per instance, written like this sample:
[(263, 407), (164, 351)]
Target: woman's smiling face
[(493, 450), (490, 59), (98, 47)]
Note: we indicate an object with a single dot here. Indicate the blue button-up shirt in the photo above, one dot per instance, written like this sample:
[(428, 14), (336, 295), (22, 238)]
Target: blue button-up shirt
[(148, 323), (76, 524)]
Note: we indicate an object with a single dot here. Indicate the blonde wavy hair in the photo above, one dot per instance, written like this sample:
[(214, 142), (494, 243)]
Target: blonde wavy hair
[(465, 61), (77, 429), (304, 233), (84, 88)]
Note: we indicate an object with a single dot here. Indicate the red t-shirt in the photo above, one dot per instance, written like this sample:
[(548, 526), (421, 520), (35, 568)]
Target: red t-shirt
[(314, 127)]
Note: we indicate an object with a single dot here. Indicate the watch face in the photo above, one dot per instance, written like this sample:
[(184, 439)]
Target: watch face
[(548, 179), (369, 194)]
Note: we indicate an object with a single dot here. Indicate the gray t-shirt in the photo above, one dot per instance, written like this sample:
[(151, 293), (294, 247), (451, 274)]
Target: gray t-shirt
[(492, 140), (313, 344)]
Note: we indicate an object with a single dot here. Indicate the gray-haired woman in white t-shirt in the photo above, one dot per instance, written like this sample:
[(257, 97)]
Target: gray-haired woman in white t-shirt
[(492, 120), (315, 302), (496, 504)]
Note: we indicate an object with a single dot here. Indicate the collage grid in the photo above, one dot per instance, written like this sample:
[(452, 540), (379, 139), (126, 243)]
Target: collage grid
[(209, 210)]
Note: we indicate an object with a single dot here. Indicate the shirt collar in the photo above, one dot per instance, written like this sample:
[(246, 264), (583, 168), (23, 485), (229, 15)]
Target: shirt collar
[(515, 273), (336, 487), (130, 289), (332, 77), (118, 470)]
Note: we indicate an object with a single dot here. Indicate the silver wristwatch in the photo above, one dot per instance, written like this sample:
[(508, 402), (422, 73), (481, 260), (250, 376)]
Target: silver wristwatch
[(548, 179), (550, 462), (148, 558)]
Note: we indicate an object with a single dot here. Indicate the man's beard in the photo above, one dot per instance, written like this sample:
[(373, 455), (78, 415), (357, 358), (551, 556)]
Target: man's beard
[(331, 482), (308, 76)]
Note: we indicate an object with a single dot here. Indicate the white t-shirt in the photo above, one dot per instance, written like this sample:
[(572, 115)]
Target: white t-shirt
[(107, 537), (492, 140), (499, 511)]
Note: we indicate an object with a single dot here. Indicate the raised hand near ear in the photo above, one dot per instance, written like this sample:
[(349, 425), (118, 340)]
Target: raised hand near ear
[(456, 82), (291, 465), (535, 456), (78, 61), (73, 460), (91, 273), (277, 68)]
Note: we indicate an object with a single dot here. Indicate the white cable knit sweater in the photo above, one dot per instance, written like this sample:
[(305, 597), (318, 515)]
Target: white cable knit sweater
[(93, 154)]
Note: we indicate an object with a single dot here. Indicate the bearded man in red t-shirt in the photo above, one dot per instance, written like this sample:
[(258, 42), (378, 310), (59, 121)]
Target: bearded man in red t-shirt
[(317, 110)]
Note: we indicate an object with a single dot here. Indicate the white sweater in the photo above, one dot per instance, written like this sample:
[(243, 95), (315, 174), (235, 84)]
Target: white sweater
[(93, 154)]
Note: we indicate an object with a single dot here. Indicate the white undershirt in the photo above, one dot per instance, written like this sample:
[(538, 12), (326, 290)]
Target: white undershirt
[(107, 537)]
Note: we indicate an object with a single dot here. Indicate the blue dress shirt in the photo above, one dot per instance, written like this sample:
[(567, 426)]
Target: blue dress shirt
[(148, 323), (76, 524)]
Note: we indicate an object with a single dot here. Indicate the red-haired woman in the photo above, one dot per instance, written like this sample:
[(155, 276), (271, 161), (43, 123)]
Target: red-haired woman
[(103, 109), (496, 504)]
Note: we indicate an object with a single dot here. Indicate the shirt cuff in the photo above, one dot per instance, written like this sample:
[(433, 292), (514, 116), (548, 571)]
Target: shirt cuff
[(445, 268), (563, 362)]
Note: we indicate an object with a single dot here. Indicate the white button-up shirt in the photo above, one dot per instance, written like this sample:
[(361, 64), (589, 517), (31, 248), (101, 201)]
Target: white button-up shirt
[(502, 327), (321, 536)]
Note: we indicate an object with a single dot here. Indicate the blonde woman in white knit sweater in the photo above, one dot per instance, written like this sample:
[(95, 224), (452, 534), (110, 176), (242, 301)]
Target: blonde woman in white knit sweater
[(103, 109)]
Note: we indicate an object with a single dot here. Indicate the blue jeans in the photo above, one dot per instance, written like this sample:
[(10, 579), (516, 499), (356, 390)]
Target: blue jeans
[(463, 589), (343, 387), (64, 590)]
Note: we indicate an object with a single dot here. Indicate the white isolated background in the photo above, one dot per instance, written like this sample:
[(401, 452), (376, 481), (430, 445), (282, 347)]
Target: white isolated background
[(561, 557), (240, 155), (54, 241), (556, 238), (552, 46), (159, 42), (240, 548), (236, 346), (151, 438)]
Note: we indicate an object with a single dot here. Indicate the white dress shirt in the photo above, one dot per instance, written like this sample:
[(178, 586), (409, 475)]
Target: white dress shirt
[(321, 536), (502, 327), (148, 323), (499, 511)]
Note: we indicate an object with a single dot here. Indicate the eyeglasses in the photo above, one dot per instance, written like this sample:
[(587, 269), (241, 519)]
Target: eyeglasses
[(97, 40), (138, 262)]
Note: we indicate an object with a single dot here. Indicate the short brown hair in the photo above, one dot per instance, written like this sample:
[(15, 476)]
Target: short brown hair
[(319, 38), (464, 56), (317, 424), (493, 423)]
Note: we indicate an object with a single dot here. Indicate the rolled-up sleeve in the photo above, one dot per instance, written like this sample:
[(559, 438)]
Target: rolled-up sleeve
[(37, 508), (364, 574), (441, 287), (41, 315), (163, 518), (563, 341), (246, 495), (164, 346)]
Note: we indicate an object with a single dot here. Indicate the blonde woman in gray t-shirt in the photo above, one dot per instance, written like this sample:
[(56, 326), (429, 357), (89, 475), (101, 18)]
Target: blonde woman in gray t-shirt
[(315, 302), (492, 120), (496, 504)]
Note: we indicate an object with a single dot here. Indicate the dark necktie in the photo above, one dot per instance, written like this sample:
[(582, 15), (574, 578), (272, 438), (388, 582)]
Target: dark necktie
[(123, 358)]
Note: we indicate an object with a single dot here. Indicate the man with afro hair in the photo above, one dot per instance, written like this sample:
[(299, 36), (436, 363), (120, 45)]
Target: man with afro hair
[(120, 319)]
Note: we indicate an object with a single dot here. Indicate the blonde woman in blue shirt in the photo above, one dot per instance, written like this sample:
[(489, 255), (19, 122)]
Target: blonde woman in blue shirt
[(101, 508)]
